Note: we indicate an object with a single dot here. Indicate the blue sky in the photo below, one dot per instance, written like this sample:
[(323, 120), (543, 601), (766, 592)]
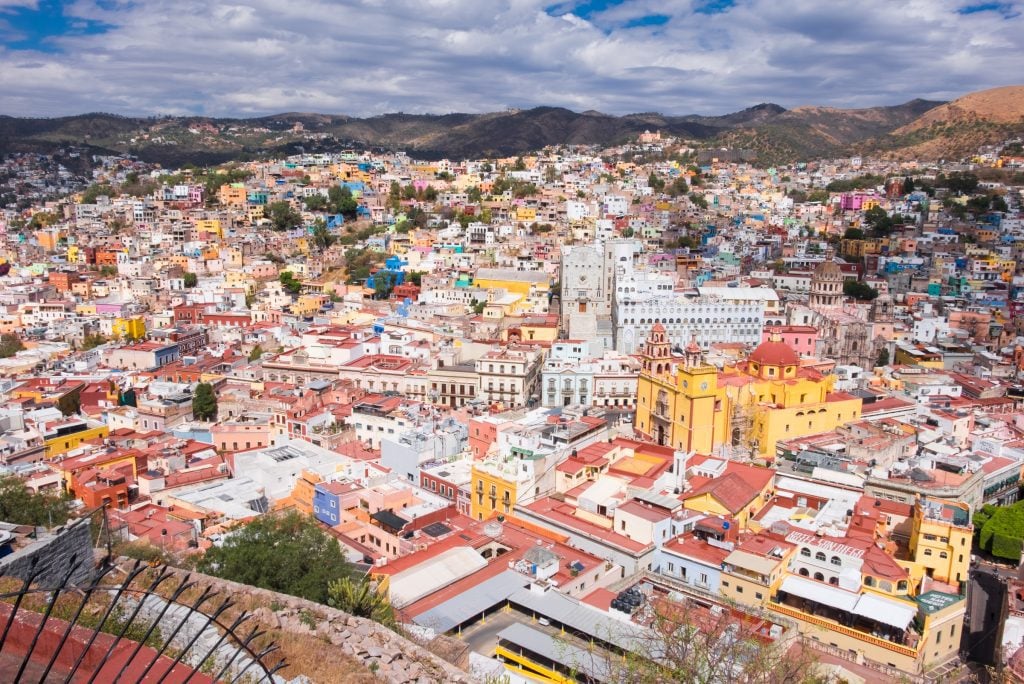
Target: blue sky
[(364, 57), (39, 26)]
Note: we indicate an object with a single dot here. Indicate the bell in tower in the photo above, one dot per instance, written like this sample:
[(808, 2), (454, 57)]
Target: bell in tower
[(657, 351)]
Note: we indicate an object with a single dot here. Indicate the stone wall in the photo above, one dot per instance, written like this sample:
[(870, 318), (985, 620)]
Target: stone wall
[(389, 655), (53, 554)]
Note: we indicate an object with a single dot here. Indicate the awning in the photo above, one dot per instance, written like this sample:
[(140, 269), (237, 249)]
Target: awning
[(818, 592), (748, 561), (887, 611)]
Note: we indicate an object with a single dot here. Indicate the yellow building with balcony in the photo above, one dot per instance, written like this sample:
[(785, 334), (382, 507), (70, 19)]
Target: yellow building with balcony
[(940, 539), (689, 405), (493, 489)]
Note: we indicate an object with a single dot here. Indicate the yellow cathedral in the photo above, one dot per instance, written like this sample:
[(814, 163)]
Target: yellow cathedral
[(685, 403)]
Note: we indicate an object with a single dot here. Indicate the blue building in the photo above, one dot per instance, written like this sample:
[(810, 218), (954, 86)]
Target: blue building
[(392, 270), (327, 505)]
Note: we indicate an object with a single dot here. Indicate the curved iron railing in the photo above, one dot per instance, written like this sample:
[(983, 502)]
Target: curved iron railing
[(150, 630)]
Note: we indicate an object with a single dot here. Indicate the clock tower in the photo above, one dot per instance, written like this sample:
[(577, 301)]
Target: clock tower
[(677, 396)]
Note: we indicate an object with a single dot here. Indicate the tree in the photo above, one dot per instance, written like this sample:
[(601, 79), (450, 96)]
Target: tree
[(383, 284), (853, 234), (362, 598), (627, 232), (10, 344), (256, 353), (999, 530), (686, 642), (958, 183), (878, 220), (21, 506), (288, 553), (341, 201), (92, 341), (315, 202), (291, 284), (204, 402), (478, 307), (698, 200), (70, 403), (908, 185), (96, 190), (883, 357), (416, 277), (655, 183), (282, 216), (191, 279), (322, 237), (858, 290)]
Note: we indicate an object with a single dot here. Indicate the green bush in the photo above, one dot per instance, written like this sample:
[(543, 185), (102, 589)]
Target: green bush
[(1002, 534)]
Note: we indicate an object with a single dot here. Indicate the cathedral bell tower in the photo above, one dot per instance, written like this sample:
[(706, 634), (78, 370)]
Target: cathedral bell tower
[(656, 352)]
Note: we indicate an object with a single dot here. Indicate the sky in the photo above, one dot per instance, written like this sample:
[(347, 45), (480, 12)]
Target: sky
[(368, 57)]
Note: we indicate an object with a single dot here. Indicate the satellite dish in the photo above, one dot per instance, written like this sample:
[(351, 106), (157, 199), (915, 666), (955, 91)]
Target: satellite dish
[(725, 525)]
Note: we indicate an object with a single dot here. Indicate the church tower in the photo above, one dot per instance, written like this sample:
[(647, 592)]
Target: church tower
[(826, 285), (656, 352)]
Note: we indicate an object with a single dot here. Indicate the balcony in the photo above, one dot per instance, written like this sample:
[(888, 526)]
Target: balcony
[(661, 411), (834, 626)]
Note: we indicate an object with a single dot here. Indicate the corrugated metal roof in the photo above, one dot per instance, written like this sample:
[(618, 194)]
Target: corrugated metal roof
[(487, 594), (434, 574), (581, 618), (591, 663)]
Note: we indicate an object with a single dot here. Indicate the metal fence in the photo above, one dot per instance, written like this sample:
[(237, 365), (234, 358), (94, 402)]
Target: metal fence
[(131, 623)]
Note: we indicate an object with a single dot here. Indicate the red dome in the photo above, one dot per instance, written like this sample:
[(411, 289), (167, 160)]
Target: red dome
[(775, 354)]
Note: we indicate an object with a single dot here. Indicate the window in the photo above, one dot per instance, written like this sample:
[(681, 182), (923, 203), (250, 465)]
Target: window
[(820, 577), (819, 556), (836, 560), (943, 554), (805, 552), (758, 596), (927, 552), (739, 589)]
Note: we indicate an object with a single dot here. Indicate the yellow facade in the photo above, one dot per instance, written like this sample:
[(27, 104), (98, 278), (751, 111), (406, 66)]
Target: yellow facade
[(209, 226), (133, 328), (519, 287), (526, 214), (940, 539), (492, 493), (689, 405), (62, 444)]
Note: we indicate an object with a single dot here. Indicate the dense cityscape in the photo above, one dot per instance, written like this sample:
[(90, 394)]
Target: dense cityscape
[(560, 410)]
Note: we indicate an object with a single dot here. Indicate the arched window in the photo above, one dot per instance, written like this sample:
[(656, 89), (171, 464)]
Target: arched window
[(820, 577), (805, 552), (803, 572), (836, 560), (820, 556), (869, 581)]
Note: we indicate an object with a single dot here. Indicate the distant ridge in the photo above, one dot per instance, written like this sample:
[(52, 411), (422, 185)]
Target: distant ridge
[(773, 133)]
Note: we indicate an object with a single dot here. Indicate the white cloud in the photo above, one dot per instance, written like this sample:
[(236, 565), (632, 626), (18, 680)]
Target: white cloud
[(370, 56)]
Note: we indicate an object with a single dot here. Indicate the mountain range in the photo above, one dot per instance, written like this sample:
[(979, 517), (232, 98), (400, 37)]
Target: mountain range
[(772, 134)]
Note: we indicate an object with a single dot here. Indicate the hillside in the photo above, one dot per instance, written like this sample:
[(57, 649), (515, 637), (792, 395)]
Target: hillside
[(957, 128), (921, 128)]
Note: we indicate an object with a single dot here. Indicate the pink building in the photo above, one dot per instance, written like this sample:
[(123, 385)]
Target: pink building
[(802, 338)]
